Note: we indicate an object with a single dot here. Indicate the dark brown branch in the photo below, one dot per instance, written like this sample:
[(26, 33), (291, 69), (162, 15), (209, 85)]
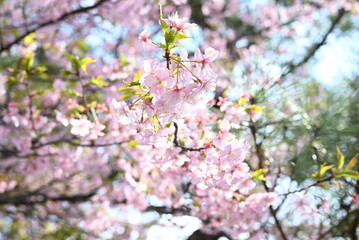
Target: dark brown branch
[(61, 18), (71, 142), (168, 210), (199, 235), (33, 199), (317, 183), (7, 152), (312, 50), (316, 46), (261, 158), (184, 149)]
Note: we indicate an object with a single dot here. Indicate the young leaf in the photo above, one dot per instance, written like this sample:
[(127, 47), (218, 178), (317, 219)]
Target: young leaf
[(71, 93), (164, 25), (67, 73), (349, 174), (131, 84), (29, 60), (84, 62), (255, 108), (340, 159), (352, 162), (132, 144), (177, 45), (324, 186), (124, 89), (75, 61), (170, 38), (127, 95), (162, 46), (29, 39), (180, 36), (323, 169), (242, 101), (98, 82), (259, 174), (137, 76), (123, 61)]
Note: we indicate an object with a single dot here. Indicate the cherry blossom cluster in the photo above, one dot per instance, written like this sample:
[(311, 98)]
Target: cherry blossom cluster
[(166, 101)]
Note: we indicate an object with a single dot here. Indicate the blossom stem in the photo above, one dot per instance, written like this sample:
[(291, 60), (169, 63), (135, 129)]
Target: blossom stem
[(180, 61)]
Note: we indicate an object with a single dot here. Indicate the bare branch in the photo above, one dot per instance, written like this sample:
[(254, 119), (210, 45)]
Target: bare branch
[(312, 50), (199, 235), (261, 157), (317, 183), (32, 198), (61, 18)]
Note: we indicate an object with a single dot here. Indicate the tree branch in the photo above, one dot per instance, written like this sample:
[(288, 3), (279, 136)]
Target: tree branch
[(199, 235), (63, 17), (71, 142), (312, 50), (312, 185), (184, 149), (168, 210), (33, 198), (261, 157)]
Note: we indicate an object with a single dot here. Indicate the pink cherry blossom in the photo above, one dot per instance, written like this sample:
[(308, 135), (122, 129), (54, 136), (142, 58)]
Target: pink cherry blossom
[(179, 24), (80, 127), (144, 37)]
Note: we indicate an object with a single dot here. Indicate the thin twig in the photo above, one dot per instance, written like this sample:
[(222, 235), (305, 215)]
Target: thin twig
[(315, 47), (63, 17), (317, 183), (71, 142)]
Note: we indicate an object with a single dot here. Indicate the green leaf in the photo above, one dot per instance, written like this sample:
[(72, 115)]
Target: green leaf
[(177, 45), (170, 38), (98, 82), (131, 84), (340, 159), (15, 33), (84, 62), (87, 60), (123, 61), (83, 46), (162, 46), (242, 101), (67, 73), (127, 95), (30, 38), (71, 93), (41, 69), (349, 174), (137, 76), (68, 56), (324, 186), (352, 162), (180, 36), (75, 61), (164, 25), (124, 89), (323, 169), (29, 61), (132, 144), (259, 174), (255, 108)]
